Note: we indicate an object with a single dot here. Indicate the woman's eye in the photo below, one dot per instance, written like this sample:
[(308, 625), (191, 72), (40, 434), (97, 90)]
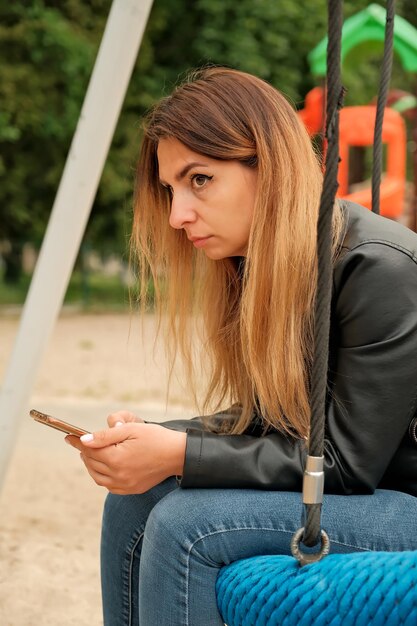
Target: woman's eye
[(200, 180)]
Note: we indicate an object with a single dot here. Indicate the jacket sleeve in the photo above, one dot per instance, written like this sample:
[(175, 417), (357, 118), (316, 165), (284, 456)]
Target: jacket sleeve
[(372, 389)]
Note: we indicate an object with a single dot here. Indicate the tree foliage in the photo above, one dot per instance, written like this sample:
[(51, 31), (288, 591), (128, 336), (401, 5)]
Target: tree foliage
[(48, 49), (46, 62)]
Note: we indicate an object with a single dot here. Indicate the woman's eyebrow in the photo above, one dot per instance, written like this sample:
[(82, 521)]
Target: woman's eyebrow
[(184, 172), (187, 168)]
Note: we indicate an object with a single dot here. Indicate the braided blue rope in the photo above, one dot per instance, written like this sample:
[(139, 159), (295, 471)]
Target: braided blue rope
[(359, 589)]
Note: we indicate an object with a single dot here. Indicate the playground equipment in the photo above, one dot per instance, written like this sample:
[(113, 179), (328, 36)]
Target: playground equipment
[(313, 113), (357, 123), (406, 104), (100, 112), (357, 129), (366, 26)]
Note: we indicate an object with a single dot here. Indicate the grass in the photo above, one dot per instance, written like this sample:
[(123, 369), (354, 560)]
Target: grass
[(93, 292)]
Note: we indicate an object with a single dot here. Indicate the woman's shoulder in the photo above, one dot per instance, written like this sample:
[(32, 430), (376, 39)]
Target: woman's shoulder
[(366, 230), (378, 257), (375, 280)]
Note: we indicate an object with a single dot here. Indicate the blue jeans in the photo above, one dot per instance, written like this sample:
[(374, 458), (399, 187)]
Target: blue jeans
[(161, 551)]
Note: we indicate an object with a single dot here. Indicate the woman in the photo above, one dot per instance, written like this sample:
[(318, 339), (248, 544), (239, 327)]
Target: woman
[(225, 223)]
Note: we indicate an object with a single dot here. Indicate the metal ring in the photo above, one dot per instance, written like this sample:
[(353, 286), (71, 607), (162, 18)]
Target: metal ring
[(306, 559)]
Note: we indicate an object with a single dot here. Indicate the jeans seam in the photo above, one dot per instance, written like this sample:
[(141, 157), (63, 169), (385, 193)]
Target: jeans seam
[(256, 528), (131, 555), (130, 571)]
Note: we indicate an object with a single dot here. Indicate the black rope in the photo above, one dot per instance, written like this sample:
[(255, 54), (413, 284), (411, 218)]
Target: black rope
[(312, 512), (335, 92), (382, 100)]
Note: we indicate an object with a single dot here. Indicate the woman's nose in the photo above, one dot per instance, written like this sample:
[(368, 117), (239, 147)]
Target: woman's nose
[(182, 211)]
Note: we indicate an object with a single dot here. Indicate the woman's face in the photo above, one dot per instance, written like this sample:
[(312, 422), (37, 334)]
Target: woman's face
[(211, 200)]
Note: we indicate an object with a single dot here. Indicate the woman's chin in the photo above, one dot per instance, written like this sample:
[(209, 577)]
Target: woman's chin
[(217, 254)]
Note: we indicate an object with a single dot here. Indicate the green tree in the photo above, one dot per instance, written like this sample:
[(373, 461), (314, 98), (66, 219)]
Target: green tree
[(43, 76), (47, 51)]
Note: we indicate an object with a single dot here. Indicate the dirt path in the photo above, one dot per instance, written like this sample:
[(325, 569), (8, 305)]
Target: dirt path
[(50, 509)]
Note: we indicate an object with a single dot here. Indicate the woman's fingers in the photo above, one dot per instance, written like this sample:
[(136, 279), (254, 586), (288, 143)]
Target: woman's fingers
[(95, 465), (104, 477), (108, 437), (132, 458), (122, 417), (102, 438), (102, 480)]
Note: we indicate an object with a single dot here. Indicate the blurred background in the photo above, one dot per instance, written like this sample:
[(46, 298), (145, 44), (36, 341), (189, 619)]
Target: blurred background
[(47, 51), (95, 362)]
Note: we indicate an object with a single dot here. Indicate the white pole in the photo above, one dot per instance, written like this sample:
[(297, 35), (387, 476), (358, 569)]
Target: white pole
[(90, 145)]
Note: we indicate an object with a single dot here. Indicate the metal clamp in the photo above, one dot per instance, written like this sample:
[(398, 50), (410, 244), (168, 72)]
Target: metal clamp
[(312, 557), (313, 480)]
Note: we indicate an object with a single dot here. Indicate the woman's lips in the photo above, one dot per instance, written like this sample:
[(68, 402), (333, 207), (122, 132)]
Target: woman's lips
[(199, 242)]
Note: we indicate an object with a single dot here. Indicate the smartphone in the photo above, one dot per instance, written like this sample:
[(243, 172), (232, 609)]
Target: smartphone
[(54, 422)]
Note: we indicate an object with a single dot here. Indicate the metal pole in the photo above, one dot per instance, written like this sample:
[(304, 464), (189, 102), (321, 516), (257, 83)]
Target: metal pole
[(90, 145)]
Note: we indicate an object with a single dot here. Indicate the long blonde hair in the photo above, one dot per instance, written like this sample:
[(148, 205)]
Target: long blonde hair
[(257, 311)]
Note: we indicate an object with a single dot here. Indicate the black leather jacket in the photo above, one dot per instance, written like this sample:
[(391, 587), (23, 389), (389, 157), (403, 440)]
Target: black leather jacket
[(372, 397)]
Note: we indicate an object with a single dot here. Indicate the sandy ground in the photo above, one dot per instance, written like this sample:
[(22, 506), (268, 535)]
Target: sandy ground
[(50, 508)]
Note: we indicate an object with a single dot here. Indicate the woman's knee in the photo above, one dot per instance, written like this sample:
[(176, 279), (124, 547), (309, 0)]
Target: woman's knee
[(123, 522), (122, 514), (169, 519)]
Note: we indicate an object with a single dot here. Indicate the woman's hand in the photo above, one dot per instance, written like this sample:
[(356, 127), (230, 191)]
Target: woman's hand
[(133, 457), (122, 417)]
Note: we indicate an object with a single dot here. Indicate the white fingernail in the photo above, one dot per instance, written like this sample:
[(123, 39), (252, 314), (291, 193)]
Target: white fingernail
[(87, 437), (119, 424)]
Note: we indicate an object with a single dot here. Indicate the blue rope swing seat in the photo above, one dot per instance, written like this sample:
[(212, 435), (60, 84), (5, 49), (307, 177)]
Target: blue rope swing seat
[(358, 589), (371, 589)]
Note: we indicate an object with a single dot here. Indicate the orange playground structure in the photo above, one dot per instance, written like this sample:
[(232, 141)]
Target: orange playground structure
[(357, 129)]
